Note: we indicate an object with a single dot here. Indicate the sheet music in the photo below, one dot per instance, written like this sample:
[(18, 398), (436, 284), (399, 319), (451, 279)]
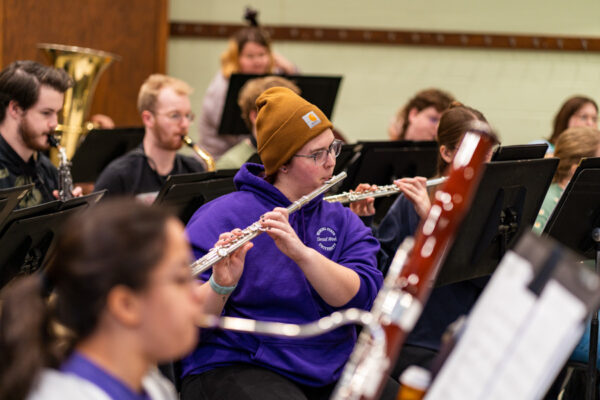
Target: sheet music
[(514, 342)]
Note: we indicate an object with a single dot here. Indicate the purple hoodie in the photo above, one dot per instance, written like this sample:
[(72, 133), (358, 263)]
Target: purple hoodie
[(273, 288)]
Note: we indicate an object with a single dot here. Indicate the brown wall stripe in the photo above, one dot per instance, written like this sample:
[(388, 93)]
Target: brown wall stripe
[(394, 37)]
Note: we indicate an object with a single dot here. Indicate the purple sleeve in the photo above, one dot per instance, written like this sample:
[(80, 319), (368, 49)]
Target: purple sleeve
[(359, 253)]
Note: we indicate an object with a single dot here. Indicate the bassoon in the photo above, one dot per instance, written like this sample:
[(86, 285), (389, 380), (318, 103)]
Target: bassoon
[(399, 303)]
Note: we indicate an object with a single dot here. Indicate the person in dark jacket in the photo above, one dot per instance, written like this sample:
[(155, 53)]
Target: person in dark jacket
[(31, 96), (164, 105), (445, 303)]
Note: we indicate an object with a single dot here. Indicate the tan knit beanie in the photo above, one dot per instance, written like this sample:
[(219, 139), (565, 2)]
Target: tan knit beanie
[(284, 124)]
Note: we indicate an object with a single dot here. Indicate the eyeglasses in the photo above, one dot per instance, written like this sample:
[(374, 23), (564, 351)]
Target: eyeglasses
[(320, 156), (177, 117)]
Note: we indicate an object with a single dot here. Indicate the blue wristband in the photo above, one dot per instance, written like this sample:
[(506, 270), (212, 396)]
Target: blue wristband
[(220, 289)]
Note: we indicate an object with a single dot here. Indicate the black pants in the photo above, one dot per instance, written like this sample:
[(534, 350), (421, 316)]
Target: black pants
[(247, 382)]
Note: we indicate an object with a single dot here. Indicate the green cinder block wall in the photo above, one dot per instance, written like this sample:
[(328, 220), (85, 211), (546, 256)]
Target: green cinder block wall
[(518, 91)]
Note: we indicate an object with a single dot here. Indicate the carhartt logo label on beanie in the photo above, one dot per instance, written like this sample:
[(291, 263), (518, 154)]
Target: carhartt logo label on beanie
[(285, 122), (311, 119)]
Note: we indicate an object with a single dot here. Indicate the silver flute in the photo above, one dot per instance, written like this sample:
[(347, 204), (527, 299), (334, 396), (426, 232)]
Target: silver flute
[(382, 191), (218, 253), (318, 327), (364, 369)]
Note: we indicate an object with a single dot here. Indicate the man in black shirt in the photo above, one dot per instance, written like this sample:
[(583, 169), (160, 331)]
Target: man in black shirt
[(31, 95), (165, 109)]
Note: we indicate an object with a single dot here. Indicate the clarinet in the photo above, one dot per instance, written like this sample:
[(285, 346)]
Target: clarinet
[(65, 181), (381, 191), (218, 253)]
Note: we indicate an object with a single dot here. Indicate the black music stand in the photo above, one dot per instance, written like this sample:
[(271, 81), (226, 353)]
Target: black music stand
[(379, 163), (49, 207), (29, 212), (505, 205), (85, 201), (319, 90), (9, 199), (25, 242), (575, 222), (577, 213), (100, 147), (185, 193), (27, 235), (520, 152)]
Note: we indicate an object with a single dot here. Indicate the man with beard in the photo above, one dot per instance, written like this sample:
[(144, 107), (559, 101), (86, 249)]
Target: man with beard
[(164, 105), (31, 95)]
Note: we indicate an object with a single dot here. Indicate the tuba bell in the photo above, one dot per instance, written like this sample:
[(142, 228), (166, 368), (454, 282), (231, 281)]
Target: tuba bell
[(84, 66)]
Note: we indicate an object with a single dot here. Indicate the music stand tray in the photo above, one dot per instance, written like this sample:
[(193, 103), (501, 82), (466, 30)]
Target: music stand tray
[(29, 212), (505, 205), (380, 163), (185, 193), (27, 239), (50, 207), (100, 147), (520, 152), (86, 200), (318, 90)]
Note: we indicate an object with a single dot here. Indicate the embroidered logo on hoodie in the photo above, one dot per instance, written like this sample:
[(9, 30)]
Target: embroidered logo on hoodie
[(326, 238)]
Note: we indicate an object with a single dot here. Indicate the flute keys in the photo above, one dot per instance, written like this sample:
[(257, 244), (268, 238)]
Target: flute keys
[(222, 252)]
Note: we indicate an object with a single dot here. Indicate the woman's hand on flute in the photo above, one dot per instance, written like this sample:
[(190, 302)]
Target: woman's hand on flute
[(225, 273), (277, 225), (415, 189), (366, 207), (228, 271)]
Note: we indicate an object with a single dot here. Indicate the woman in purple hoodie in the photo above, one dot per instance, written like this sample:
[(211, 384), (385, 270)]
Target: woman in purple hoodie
[(311, 263)]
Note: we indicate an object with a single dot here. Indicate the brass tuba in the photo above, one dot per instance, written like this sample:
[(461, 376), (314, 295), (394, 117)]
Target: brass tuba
[(84, 66)]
